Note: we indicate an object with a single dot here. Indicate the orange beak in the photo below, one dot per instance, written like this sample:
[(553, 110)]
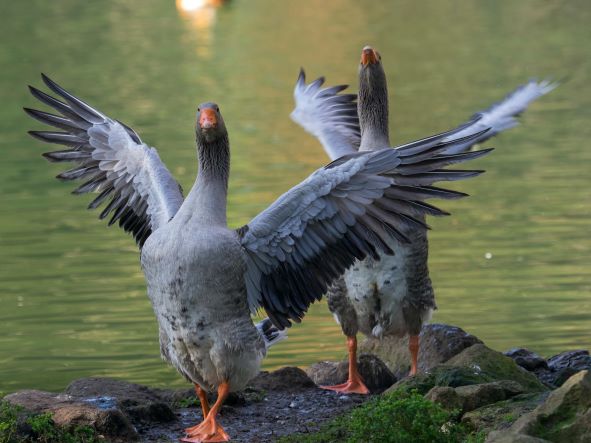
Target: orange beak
[(369, 56), (208, 119)]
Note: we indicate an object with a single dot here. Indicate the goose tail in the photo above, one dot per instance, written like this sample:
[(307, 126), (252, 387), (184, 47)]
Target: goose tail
[(270, 333)]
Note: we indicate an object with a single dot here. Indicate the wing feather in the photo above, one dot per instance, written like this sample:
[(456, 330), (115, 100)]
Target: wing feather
[(502, 115), (328, 115), (112, 160), (348, 210)]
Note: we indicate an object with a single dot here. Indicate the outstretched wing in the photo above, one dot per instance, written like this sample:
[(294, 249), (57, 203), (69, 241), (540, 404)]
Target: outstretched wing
[(332, 117), (345, 211), (328, 115), (112, 160), (502, 115)]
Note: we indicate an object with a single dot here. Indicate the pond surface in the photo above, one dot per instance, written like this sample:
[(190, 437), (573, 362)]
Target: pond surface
[(72, 295)]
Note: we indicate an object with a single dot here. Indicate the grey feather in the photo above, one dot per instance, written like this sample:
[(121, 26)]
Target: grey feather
[(113, 161)]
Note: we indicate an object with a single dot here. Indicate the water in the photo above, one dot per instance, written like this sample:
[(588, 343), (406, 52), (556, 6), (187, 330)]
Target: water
[(72, 296)]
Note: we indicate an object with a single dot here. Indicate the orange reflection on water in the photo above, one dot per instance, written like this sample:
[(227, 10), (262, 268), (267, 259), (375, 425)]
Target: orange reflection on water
[(200, 15)]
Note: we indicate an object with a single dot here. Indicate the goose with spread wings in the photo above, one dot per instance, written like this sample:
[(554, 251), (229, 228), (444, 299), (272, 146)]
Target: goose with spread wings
[(392, 296), (205, 279)]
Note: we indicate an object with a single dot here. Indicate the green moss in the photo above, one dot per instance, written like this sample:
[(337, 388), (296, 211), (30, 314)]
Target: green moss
[(509, 418), (476, 364), (14, 421), (399, 417), (442, 375), (502, 414), (493, 365)]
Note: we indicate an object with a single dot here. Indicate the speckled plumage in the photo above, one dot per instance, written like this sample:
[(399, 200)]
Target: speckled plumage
[(390, 296), (206, 331)]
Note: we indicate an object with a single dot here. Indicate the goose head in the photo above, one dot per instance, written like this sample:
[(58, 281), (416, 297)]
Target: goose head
[(210, 126), (371, 71), (372, 103)]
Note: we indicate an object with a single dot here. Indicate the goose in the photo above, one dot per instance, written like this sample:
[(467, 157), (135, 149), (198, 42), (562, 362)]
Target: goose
[(205, 279), (393, 296)]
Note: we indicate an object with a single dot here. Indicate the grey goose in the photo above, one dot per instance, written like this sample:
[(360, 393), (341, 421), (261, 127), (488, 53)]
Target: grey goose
[(392, 296)]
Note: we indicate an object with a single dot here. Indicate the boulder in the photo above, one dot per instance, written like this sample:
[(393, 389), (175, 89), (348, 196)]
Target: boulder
[(565, 416), (502, 414), (139, 402), (565, 365), (484, 360), (374, 372), (527, 359), (468, 398), (438, 343), (557, 369), (578, 360), (284, 379), (474, 365), (446, 396), (69, 412)]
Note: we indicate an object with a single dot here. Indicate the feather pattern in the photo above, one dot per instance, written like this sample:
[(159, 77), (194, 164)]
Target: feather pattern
[(348, 210), (112, 160), (328, 115), (334, 121), (503, 115)]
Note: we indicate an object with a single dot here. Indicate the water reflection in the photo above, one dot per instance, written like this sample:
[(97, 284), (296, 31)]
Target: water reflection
[(200, 16)]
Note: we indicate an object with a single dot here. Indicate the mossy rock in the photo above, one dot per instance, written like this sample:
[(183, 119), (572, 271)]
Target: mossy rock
[(474, 365), (441, 375), (503, 414), (565, 416)]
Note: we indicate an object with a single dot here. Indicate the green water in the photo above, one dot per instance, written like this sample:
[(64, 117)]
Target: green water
[(72, 296)]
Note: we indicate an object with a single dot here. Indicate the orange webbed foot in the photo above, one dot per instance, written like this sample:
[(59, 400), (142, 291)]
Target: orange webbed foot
[(349, 387), (219, 436), (208, 431)]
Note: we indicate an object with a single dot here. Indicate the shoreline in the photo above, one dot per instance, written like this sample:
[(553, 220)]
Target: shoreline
[(482, 392)]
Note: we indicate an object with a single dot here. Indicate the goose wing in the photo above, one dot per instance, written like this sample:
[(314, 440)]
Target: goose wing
[(113, 162), (328, 115), (503, 115), (345, 211)]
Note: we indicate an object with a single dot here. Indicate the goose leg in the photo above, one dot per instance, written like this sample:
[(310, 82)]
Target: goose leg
[(354, 384), (203, 400), (413, 347), (209, 430)]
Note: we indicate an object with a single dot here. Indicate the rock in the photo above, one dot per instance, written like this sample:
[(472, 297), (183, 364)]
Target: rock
[(374, 372), (565, 365), (502, 414), (438, 343), (484, 360), (139, 402), (475, 365), (288, 378), (528, 360), (558, 368), (468, 398), (475, 396), (565, 416), (578, 360), (69, 412), (446, 396)]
